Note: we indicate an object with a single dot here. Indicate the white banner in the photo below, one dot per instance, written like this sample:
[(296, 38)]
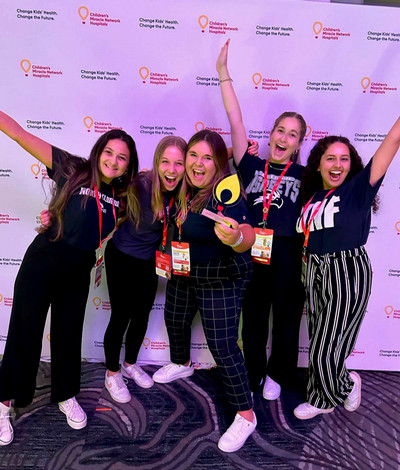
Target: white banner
[(71, 71)]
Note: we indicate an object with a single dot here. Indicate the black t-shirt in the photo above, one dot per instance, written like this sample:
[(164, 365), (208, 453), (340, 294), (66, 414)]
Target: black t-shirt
[(198, 231), (286, 203), (81, 223), (344, 218), (142, 241)]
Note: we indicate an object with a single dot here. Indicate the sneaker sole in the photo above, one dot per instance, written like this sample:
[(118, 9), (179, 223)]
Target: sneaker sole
[(75, 424), (358, 378), (141, 385), (4, 443), (313, 415), (271, 397), (172, 379), (119, 400), (237, 447)]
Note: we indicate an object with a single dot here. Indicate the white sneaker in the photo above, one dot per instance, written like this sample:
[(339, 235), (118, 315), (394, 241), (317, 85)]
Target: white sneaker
[(136, 373), (6, 430), (171, 372), (353, 400), (117, 388), (237, 433), (307, 411), (271, 390), (76, 417)]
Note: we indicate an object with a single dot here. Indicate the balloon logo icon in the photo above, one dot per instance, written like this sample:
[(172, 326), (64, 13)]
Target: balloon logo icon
[(146, 342), (25, 66), (48, 337), (35, 169), (199, 126), (203, 22), (317, 27), (144, 73), (96, 302), (397, 225), (88, 121), (227, 190), (257, 77), (308, 132), (1, 297), (389, 310), (83, 12), (365, 82)]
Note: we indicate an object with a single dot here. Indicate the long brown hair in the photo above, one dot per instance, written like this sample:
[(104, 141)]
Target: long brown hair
[(79, 172), (220, 157)]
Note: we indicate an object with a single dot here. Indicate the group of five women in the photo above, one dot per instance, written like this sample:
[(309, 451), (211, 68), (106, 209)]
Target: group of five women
[(251, 260)]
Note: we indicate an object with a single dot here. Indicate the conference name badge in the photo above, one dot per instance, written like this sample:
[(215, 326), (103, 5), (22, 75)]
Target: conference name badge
[(163, 265), (262, 248), (180, 258)]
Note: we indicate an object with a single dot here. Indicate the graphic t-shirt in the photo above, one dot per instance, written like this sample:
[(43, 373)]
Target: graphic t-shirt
[(285, 204), (81, 223), (344, 218)]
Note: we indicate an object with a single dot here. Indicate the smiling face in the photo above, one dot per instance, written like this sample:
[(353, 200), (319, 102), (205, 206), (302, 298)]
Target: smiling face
[(285, 140), (335, 165), (200, 165), (114, 160), (171, 168)]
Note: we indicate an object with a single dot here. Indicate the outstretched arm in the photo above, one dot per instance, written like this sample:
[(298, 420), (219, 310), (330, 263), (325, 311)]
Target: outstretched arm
[(384, 155), (232, 107), (32, 144)]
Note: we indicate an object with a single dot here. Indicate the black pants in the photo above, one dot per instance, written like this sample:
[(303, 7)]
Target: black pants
[(277, 286), (56, 274), (132, 285)]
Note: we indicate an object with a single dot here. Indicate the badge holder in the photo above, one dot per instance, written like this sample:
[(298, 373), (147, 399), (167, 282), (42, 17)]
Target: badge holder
[(180, 258), (262, 248)]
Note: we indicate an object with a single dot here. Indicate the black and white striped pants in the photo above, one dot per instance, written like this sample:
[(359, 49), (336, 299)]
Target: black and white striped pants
[(217, 291), (338, 286)]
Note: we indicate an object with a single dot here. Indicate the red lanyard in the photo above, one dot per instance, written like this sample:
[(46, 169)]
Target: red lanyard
[(307, 230), (96, 192), (165, 228), (267, 204)]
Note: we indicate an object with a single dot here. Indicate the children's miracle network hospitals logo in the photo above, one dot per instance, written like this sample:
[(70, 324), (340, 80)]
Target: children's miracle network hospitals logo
[(215, 27)]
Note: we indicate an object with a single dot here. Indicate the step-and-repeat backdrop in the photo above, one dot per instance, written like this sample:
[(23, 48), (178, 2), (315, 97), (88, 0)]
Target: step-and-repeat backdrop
[(72, 70)]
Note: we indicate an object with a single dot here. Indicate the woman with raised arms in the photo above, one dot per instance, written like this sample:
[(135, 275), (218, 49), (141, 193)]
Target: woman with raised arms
[(338, 193), (272, 187), (57, 266)]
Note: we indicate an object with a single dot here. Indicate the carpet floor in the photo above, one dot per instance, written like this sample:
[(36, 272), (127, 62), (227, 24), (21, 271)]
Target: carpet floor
[(176, 426)]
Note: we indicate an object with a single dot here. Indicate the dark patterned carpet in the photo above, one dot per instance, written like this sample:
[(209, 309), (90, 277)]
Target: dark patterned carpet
[(177, 426)]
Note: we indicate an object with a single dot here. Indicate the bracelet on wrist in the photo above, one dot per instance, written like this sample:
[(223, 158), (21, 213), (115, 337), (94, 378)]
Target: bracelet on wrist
[(226, 80), (239, 241)]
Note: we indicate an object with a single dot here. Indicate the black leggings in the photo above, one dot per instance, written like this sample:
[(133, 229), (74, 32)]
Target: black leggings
[(56, 274), (132, 285)]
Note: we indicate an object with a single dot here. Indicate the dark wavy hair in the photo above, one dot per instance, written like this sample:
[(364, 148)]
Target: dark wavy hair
[(220, 157), (79, 172), (312, 181), (303, 128)]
